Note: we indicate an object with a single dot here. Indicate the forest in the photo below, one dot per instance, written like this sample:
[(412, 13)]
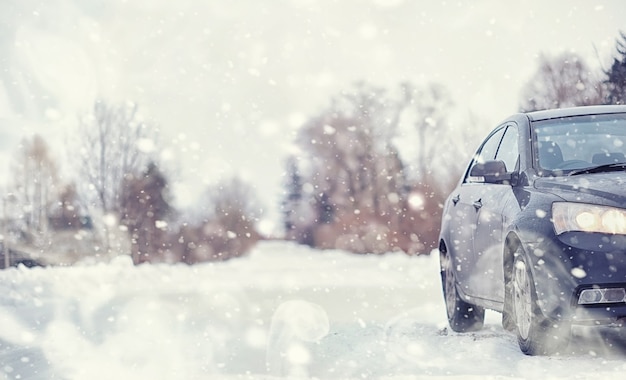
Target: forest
[(348, 186)]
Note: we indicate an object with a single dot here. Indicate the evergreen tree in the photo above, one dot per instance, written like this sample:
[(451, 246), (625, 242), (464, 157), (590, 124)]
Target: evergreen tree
[(293, 195), (144, 207), (67, 214), (616, 76)]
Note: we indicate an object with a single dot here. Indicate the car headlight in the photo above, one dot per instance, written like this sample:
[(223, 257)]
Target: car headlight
[(583, 217)]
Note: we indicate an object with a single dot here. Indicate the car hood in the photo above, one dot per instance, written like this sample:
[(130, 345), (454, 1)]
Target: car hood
[(610, 188)]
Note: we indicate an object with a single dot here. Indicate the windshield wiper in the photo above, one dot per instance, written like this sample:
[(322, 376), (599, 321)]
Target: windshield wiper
[(618, 166)]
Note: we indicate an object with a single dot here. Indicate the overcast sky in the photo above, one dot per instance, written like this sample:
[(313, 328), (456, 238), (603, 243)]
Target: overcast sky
[(229, 82)]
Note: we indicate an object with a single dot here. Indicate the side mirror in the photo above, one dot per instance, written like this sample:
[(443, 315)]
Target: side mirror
[(490, 172)]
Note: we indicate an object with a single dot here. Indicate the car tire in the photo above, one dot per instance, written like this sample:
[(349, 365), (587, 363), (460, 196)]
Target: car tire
[(462, 316), (536, 334)]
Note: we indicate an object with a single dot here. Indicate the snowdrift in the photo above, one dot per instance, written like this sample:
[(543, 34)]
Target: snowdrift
[(284, 311)]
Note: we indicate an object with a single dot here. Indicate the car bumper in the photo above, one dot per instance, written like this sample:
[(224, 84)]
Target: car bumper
[(600, 315), (566, 265)]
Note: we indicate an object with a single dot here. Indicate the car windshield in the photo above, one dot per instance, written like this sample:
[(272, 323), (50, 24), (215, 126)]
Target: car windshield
[(575, 144)]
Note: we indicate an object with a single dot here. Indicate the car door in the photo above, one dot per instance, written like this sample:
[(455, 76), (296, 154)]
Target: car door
[(490, 223), (463, 214)]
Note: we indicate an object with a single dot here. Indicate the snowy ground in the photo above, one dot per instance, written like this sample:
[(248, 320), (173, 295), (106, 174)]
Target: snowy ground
[(283, 311)]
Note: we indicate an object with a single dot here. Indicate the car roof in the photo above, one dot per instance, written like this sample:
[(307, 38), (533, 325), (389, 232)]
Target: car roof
[(575, 111)]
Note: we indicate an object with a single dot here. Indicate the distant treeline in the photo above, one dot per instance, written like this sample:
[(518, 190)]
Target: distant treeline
[(355, 183)]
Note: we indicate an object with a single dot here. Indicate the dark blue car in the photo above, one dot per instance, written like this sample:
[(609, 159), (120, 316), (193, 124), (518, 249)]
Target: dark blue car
[(536, 227)]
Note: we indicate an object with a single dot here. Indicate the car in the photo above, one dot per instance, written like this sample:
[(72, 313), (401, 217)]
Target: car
[(536, 227)]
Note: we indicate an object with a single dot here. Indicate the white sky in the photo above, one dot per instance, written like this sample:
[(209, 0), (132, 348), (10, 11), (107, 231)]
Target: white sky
[(229, 83)]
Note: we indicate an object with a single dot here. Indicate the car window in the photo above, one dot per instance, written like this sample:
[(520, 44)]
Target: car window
[(508, 150), (580, 142), (490, 147), (487, 150)]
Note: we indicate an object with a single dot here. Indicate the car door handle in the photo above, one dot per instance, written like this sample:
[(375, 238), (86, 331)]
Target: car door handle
[(456, 199), (478, 204)]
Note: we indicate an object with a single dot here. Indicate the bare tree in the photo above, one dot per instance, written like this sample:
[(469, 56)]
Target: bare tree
[(228, 226), (36, 180), (235, 212), (354, 180), (359, 191), (562, 81), (425, 109), (425, 112), (113, 140)]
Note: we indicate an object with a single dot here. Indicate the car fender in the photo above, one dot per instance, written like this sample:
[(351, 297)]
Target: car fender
[(551, 270)]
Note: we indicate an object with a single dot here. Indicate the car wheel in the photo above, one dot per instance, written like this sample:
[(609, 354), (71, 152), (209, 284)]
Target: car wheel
[(462, 316), (536, 334)]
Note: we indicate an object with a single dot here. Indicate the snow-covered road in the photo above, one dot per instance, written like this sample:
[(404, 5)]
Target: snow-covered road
[(282, 311)]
